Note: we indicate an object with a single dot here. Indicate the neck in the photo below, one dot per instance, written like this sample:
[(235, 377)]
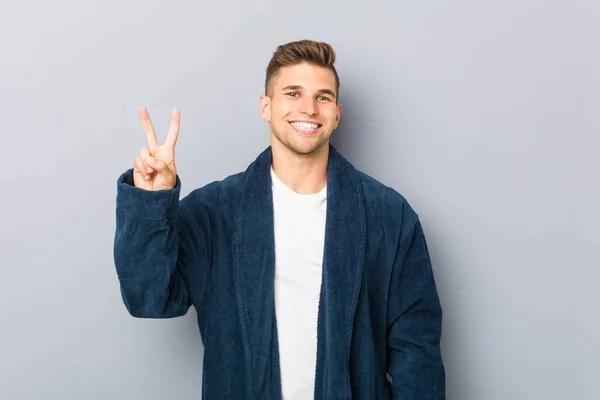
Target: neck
[(303, 173)]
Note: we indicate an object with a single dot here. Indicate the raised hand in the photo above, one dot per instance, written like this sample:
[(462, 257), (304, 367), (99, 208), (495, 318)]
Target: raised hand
[(154, 167)]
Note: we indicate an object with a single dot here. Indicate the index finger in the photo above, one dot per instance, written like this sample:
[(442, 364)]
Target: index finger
[(174, 128), (148, 128)]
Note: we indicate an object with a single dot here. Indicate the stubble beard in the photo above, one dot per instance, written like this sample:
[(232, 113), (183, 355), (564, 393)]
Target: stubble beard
[(302, 152)]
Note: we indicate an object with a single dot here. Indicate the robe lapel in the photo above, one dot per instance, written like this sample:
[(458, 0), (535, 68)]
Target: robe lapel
[(343, 266), (254, 274)]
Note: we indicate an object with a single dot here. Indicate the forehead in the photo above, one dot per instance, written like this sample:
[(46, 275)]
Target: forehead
[(306, 75)]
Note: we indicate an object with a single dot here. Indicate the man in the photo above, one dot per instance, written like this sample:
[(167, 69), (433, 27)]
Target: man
[(310, 278)]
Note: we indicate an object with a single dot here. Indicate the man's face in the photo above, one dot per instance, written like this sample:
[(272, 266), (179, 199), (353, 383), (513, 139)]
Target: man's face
[(301, 107)]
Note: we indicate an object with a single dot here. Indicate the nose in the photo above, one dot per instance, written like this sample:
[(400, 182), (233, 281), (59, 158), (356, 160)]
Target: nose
[(309, 106)]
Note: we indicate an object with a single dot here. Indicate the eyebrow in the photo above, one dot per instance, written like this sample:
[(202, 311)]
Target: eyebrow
[(320, 91)]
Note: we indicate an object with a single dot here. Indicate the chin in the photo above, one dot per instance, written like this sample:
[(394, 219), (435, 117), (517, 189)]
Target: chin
[(300, 144), (306, 148)]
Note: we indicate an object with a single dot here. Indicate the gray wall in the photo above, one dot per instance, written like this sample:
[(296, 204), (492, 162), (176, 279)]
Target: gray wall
[(484, 114)]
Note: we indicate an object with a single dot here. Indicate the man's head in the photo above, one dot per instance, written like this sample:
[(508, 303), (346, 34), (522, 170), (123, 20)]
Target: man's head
[(301, 96)]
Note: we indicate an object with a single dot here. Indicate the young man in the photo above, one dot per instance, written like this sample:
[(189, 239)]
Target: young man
[(310, 278)]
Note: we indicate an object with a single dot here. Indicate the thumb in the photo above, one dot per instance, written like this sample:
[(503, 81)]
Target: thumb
[(157, 164)]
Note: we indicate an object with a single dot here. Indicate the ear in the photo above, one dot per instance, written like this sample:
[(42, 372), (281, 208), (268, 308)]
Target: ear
[(264, 103), (339, 114)]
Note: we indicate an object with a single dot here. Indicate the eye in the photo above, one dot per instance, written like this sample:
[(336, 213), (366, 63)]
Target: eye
[(292, 94), (323, 98)]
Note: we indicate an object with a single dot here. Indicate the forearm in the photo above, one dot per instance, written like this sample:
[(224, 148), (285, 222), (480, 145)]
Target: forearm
[(415, 324), (146, 252), (414, 354)]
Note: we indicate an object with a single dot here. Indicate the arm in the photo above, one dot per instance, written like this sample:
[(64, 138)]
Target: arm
[(414, 324), (161, 250)]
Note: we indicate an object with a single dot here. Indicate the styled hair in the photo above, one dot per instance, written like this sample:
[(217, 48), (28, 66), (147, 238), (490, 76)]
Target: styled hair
[(320, 54)]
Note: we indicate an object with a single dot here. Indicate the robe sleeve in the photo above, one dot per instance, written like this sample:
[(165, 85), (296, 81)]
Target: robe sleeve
[(161, 250), (414, 324)]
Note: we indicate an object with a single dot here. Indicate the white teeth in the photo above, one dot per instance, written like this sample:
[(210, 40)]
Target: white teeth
[(304, 126)]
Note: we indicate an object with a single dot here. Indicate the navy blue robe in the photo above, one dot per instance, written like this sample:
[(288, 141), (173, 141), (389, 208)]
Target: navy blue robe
[(379, 321)]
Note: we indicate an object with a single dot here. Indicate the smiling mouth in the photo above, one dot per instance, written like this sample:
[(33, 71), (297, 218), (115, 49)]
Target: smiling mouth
[(305, 127)]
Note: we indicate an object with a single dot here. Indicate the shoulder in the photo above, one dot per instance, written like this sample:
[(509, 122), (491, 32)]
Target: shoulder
[(387, 205), (218, 193), (229, 191)]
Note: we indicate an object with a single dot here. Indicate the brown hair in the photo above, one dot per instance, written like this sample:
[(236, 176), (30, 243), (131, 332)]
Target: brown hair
[(316, 53)]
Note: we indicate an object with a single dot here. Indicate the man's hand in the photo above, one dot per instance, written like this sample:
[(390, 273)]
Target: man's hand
[(154, 168)]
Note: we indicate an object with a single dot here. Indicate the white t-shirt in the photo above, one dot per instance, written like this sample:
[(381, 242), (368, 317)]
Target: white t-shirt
[(299, 241)]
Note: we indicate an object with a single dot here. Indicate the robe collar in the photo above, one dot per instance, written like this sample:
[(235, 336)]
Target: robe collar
[(343, 266)]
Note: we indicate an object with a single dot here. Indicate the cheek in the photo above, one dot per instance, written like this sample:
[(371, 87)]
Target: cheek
[(287, 105), (330, 115), (275, 110)]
